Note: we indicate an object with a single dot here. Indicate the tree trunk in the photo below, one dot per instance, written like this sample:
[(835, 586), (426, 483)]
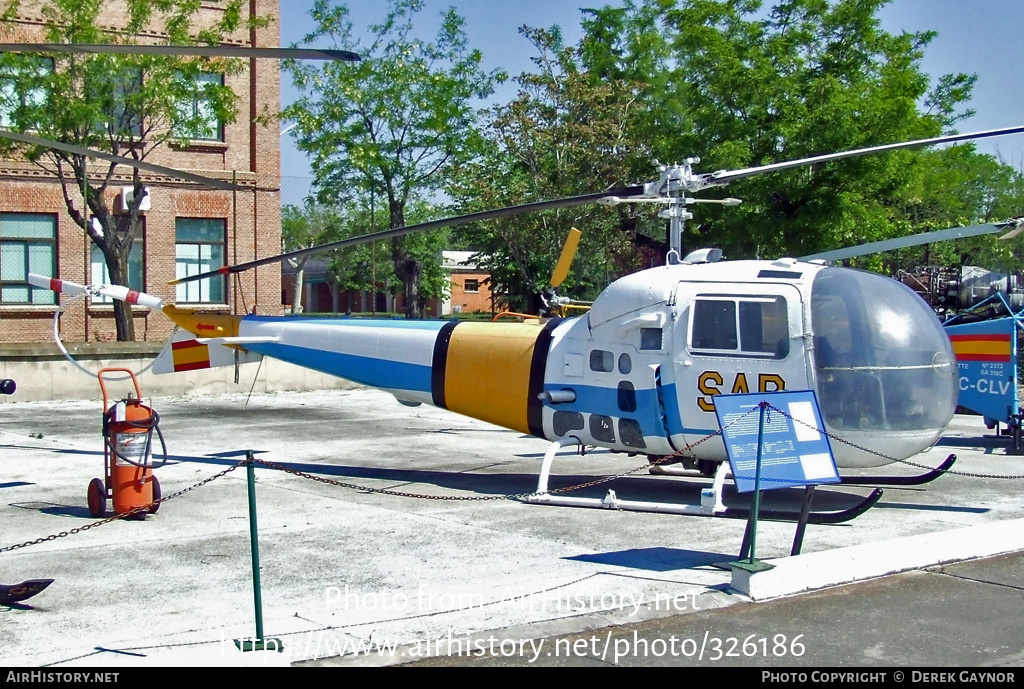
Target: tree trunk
[(410, 272), (408, 269), (300, 274), (117, 267)]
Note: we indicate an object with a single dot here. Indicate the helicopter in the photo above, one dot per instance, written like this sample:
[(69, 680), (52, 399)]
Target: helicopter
[(638, 371)]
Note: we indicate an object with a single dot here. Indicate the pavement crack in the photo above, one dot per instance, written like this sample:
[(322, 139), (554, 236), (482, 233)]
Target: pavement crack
[(977, 581)]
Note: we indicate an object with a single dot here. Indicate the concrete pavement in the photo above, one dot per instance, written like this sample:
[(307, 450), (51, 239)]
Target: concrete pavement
[(350, 576)]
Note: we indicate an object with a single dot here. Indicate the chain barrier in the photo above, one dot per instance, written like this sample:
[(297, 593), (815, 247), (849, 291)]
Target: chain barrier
[(606, 479), (511, 496), (114, 518), (888, 458)]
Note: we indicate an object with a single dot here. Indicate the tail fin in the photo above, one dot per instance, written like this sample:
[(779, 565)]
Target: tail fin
[(188, 353), (211, 340)]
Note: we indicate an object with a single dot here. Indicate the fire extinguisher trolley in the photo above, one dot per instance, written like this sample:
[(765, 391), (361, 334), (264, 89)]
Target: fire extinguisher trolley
[(128, 427)]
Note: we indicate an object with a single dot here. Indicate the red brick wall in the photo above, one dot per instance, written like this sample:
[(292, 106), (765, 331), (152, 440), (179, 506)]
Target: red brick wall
[(250, 154), (469, 302)]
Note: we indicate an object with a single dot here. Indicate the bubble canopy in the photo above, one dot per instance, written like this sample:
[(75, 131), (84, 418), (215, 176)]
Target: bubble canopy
[(882, 361)]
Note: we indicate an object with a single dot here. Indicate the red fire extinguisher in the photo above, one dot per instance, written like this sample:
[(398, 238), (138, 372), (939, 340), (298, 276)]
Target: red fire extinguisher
[(128, 429)]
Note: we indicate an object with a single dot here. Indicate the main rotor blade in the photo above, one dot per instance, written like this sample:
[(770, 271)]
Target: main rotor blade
[(731, 175), (183, 50), (912, 240), (121, 160), (421, 227)]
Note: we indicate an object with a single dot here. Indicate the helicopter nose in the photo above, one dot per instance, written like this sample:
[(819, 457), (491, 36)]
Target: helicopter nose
[(884, 368)]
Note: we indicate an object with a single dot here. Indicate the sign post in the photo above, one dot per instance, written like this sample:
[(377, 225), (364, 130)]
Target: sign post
[(786, 447)]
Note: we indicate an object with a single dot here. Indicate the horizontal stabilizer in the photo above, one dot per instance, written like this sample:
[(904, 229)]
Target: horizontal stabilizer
[(187, 353), (239, 341)]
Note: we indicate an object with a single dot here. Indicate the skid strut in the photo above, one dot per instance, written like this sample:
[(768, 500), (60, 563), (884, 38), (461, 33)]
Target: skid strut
[(610, 501), (711, 504)]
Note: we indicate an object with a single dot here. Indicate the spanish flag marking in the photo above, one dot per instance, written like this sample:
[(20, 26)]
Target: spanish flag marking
[(190, 355), (977, 347)]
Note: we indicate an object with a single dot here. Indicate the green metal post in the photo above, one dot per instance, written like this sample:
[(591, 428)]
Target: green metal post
[(757, 485), (250, 474), (751, 564), (259, 643)]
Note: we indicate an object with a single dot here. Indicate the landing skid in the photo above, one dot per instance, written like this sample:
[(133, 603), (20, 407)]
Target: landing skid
[(921, 479), (19, 592), (813, 517), (711, 504)]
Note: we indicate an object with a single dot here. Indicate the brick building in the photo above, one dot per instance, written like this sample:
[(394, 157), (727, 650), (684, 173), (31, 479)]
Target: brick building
[(471, 286), (186, 229), (470, 290)]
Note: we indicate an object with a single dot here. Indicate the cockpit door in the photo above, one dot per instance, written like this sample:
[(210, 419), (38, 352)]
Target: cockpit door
[(730, 339)]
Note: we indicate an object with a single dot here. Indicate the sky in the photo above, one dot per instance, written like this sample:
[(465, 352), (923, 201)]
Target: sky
[(981, 37)]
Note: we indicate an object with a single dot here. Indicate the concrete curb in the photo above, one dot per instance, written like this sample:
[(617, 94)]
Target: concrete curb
[(793, 575)]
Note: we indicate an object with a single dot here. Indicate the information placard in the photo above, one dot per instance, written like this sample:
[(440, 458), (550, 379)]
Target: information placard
[(794, 449)]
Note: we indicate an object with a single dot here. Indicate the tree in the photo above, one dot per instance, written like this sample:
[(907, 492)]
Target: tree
[(304, 227), (354, 268), (121, 104), (392, 125), (959, 186), (813, 77), (564, 134), (741, 86)]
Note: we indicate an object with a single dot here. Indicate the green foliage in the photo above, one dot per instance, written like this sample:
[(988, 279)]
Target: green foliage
[(391, 126), (959, 186), (128, 105), (740, 86), (362, 267), (565, 134), (813, 77)]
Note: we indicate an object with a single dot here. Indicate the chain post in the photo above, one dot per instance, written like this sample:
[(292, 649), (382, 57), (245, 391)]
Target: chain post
[(259, 642)]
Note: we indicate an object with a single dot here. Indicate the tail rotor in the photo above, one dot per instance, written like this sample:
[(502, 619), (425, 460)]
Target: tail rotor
[(111, 291)]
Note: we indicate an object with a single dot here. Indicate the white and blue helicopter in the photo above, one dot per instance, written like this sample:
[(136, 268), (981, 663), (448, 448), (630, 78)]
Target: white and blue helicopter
[(638, 371)]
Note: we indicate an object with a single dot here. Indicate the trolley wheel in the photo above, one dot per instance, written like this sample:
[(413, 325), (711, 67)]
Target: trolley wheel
[(156, 496), (97, 498)]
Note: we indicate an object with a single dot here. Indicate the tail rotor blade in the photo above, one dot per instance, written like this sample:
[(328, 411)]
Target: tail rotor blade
[(61, 286), (130, 296), (565, 259), (112, 291)]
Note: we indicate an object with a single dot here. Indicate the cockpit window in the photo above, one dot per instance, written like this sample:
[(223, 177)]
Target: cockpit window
[(714, 324), (740, 326)]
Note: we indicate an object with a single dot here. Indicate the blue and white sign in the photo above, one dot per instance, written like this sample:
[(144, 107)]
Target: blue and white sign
[(794, 449)]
